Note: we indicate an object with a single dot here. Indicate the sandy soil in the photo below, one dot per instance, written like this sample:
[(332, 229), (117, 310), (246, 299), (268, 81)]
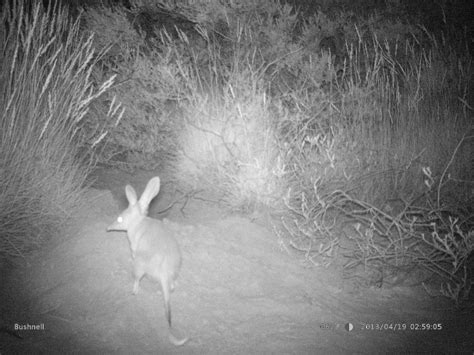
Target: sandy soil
[(239, 292)]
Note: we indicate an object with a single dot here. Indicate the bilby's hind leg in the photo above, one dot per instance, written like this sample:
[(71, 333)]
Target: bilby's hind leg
[(138, 272)]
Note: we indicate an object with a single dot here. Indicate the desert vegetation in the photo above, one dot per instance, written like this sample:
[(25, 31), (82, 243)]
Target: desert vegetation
[(48, 144), (352, 129)]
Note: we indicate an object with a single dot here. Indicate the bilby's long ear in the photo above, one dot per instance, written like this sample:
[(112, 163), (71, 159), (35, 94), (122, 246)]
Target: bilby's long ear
[(151, 190), (131, 195)]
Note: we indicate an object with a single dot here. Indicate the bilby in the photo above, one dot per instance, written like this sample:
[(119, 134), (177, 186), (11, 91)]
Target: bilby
[(155, 251)]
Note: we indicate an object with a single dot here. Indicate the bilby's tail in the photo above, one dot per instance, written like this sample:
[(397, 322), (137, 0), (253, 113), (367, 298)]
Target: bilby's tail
[(176, 341), (166, 287)]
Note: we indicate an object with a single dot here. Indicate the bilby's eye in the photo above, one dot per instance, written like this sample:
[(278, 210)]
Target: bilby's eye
[(120, 219)]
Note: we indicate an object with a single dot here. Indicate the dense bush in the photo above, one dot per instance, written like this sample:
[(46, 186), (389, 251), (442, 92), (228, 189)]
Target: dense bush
[(318, 117)]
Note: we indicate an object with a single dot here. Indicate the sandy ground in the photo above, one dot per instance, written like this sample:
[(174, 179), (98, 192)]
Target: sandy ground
[(239, 292)]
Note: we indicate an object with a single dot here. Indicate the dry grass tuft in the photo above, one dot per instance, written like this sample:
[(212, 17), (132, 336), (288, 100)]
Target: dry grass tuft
[(47, 147)]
